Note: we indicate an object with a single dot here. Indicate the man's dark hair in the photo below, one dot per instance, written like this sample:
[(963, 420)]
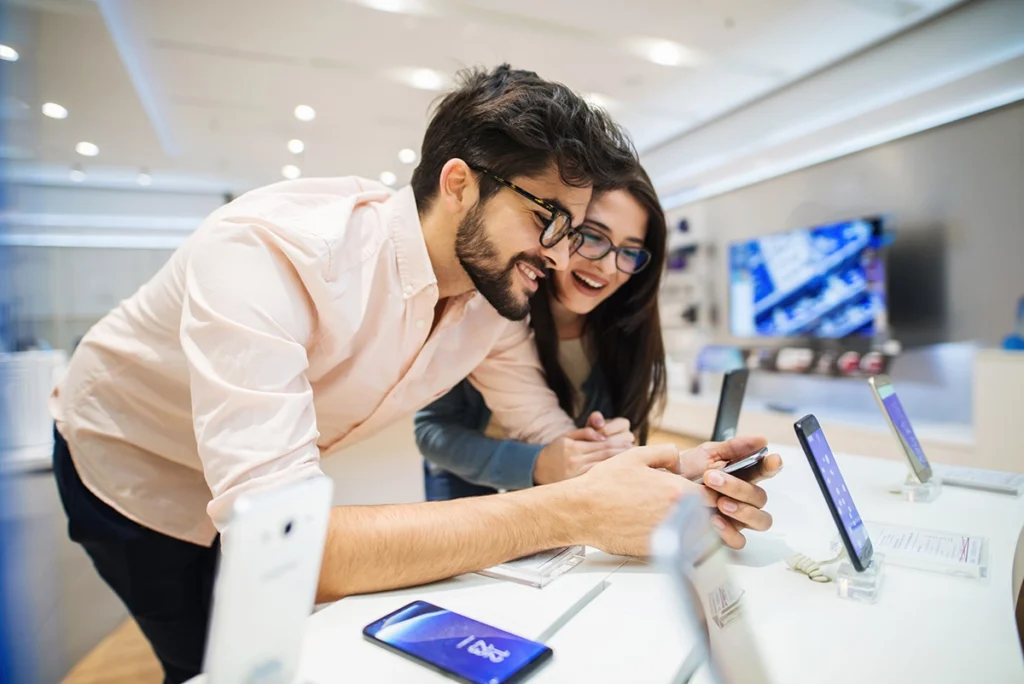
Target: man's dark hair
[(514, 123)]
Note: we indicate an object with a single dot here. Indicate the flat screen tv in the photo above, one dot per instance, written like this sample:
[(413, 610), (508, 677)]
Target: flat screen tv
[(822, 282)]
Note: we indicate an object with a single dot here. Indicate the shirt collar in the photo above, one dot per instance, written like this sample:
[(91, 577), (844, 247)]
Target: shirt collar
[(414, 268)]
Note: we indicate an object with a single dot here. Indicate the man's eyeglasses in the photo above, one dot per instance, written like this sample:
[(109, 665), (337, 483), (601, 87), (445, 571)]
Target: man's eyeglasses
[(595, 245), (557, 227)]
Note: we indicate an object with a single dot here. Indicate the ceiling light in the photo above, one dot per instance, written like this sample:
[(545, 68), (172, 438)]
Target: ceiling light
[(388, 178), (290, 171), (407, 156), (666, 53), (8, 54), (77, 175), (54, 111), (427, 79), (296, 146), (144, 178), (87, 149), (393, 6), (305, 113)]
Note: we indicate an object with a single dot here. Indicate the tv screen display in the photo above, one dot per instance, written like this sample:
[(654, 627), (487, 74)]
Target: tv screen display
[(821, 282)]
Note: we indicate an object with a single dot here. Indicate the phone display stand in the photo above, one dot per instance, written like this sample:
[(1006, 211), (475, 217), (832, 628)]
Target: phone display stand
[(915, 491), (858, 586), (540, 569)]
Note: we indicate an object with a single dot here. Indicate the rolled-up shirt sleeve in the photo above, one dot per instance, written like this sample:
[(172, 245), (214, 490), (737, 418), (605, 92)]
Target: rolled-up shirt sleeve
[(246, 323), (512, 383)]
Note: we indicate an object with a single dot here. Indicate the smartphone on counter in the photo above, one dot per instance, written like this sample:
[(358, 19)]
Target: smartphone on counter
[(742, 467), (833, 487), (457, 646), (271, 553), (899, 424), (734, 386)]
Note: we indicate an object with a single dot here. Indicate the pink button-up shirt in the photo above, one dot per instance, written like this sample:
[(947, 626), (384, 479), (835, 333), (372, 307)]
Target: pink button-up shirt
[(294, 322)]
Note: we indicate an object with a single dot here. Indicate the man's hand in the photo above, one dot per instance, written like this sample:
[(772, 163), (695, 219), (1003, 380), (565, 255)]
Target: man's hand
[(576, 452), (620, 501)]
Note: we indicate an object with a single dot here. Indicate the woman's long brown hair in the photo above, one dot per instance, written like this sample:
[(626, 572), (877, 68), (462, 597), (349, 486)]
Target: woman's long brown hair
[(624, 330)]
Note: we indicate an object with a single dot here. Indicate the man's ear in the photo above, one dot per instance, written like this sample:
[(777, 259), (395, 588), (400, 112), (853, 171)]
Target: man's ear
[(458, 188)]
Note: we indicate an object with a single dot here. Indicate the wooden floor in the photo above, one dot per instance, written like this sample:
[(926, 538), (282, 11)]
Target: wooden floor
[(123, 657)]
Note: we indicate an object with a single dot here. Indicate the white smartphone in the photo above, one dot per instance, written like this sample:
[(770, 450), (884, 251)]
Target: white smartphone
[(899, 424), (690, 552), (266, 583)]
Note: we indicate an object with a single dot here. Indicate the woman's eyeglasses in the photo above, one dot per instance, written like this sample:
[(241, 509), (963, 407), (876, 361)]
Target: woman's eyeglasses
[(595, 245), (557, 227)]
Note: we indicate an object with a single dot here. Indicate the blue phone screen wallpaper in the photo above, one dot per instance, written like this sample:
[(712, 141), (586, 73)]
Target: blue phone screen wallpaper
[(837, 491), (471, 649)]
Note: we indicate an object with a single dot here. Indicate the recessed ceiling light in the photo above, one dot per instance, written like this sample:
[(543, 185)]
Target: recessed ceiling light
[(144, 178), (87, 149), (388, 178), (54, 111), (296, 146), (666, 53), (427, 79), (305, 113), (8, 54), (290, 171), (393, 6), (407, 156), (77, 175)]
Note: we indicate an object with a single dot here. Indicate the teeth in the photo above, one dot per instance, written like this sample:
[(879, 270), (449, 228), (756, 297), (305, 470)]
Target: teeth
[(530, 273), (588, 281)]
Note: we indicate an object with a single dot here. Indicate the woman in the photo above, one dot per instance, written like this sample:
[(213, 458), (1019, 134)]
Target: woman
[(599, 338)]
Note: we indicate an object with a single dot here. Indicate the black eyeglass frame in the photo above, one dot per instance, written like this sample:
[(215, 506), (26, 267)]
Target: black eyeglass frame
[(584, 230), (566, 231)]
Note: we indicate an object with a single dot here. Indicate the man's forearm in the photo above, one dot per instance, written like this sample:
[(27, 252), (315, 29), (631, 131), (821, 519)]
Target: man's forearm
[(374, 548)]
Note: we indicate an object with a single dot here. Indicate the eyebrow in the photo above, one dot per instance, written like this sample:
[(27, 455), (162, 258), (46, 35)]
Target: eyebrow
[(558, 205), (606, 229)]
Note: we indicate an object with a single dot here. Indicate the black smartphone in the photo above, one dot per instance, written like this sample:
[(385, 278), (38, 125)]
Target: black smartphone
[(734, 386), (457, 646), (742, 467), (833, 487)]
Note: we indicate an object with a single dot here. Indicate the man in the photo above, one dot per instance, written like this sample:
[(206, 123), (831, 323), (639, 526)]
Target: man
[(308, 315)]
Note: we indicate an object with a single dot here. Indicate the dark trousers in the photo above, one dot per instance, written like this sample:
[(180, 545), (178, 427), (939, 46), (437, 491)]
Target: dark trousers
[(165, 583), (442, 485)]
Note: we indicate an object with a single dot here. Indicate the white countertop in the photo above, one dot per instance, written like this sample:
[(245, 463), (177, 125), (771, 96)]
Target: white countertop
[(613, 620)]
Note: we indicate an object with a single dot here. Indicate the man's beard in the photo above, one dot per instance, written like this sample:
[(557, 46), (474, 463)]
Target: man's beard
[(478, 256)]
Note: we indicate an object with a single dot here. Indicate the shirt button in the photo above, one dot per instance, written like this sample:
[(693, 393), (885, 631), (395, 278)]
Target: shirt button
[(419, 323)]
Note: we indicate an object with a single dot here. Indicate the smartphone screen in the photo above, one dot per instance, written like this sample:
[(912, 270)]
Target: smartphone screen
[(453, 643), (893, 407), (835, 486)]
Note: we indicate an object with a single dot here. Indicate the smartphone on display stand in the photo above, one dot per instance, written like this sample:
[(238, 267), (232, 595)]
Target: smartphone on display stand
[(899, 424), (833, 487), (743, 467), (734, 386), (266, 583), (457, 646)]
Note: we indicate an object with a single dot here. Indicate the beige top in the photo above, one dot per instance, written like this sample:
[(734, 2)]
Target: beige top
[(292, 323), (573, 357)]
